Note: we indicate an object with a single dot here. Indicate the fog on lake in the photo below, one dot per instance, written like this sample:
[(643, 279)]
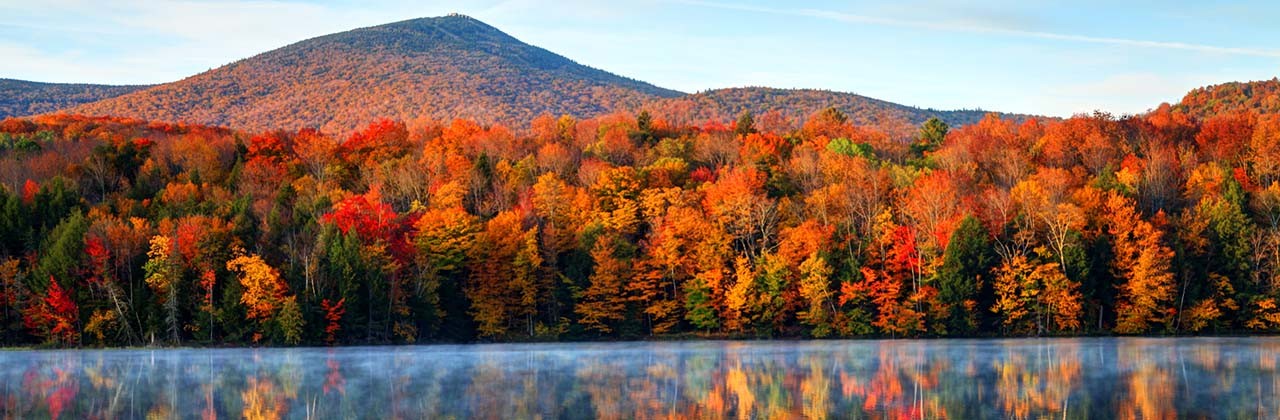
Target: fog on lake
[(1013, 378)]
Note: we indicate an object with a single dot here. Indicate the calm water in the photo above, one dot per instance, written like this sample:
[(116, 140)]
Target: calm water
[(1051, 378)]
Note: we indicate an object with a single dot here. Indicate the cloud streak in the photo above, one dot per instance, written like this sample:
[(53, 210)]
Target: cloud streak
[(970, 28), (157, 41)]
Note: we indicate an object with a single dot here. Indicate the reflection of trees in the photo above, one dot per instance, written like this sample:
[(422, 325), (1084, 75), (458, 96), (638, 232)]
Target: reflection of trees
[(1144, 378), (263, 400), (1269, 378), (493, 402), (701, 388), (1149, 385), (333, 379), (760, 385), (903, 385), (268, 393), (654, 392), (55, 386), (736, 382), (1037, 383), (604, 381), (815, 388)]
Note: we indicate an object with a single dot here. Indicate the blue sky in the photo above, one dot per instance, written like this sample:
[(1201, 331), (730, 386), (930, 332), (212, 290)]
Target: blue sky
[(1043, 57)]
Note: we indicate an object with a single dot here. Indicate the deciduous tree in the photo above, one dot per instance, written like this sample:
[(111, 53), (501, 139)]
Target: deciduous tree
[(1143, 262)]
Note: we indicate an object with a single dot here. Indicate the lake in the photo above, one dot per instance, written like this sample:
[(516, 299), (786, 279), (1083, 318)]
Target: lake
[(1010, 378)]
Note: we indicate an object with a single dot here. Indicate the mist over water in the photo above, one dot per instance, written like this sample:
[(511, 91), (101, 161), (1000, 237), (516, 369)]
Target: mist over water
[(1014, 378)]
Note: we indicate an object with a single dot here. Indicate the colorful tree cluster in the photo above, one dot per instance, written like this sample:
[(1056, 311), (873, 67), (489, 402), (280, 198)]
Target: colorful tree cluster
[(123, 232)]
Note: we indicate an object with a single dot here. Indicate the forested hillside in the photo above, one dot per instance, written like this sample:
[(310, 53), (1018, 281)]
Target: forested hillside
[(21, 98), (124, 232), (727, 104), (452, 67), (1261, 96), (432, 68)]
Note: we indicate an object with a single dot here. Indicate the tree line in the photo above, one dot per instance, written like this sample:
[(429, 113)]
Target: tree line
[(116, 231)]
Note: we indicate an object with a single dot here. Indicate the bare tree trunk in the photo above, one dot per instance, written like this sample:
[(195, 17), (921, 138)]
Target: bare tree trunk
[(119, 307), (171, 305)]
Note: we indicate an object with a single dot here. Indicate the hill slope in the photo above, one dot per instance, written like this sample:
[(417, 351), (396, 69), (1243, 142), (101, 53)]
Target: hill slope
[(21, 98), (444, 67), (727, 104), (1262, 96)]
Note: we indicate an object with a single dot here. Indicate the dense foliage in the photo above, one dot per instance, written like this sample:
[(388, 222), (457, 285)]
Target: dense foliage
[(20, 97), (1262, 96), (118, 231)]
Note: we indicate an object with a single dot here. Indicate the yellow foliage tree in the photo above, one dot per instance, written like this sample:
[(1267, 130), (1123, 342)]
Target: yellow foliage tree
[(1036, 298), (815, 289), (740, 298), (264, 293), (163, 275)]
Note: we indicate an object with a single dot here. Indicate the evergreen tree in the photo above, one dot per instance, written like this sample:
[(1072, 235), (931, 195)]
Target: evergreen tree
[(966, 264), (932, 134), (62, 250), (746, 124)]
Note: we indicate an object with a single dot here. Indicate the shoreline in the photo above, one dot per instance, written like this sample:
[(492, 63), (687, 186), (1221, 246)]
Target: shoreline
[(653, 340)]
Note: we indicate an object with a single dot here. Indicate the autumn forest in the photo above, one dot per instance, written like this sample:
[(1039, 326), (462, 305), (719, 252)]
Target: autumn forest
[(625, 226)]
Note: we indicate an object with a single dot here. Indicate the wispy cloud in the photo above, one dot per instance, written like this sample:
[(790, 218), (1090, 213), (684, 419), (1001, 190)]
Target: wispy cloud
[(156, 41), (971, 28)]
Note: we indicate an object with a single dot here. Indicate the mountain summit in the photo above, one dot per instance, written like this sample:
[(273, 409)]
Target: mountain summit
[(443, 67)]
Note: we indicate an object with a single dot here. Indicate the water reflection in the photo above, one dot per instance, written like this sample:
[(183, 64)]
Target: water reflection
[(1066, 378)]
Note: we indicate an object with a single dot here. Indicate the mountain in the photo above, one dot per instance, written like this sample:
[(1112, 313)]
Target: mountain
[(1262, 96), (443, 68), (727, 104), (21, 98)]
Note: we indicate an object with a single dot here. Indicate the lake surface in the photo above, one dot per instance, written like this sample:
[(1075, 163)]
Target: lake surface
[(1016, 378)]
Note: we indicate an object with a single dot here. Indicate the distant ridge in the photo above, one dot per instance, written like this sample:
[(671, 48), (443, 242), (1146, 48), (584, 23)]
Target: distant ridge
[(450, 67), (22, 98), (726, 104)]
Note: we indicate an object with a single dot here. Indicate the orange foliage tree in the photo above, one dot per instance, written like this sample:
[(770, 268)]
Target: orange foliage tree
[(1143, 262)]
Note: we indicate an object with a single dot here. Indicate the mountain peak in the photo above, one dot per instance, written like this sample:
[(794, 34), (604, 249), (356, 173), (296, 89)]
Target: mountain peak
[(456, 17), (442, 67), (452, 21), (425, 34)]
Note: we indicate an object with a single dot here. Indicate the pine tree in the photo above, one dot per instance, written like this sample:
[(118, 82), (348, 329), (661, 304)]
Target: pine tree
[(965, 267)]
